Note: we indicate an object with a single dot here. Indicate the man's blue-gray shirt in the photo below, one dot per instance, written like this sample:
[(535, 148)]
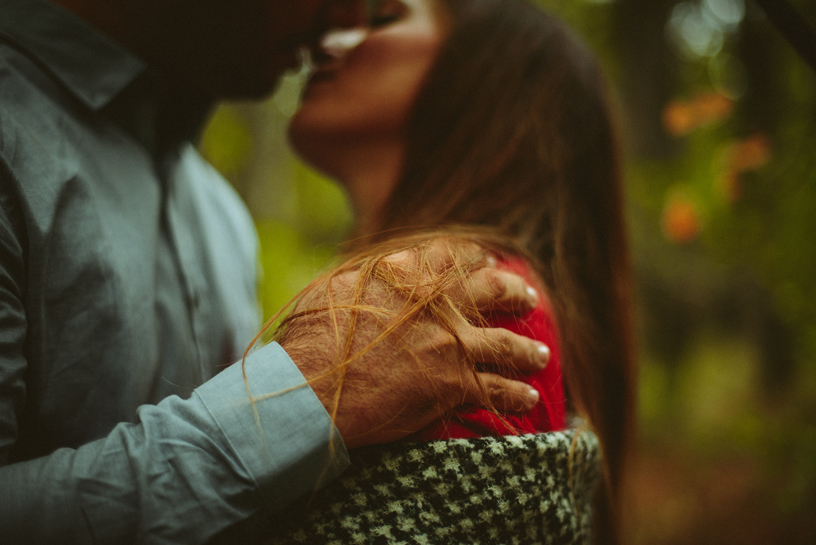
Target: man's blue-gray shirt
[(127, 280)]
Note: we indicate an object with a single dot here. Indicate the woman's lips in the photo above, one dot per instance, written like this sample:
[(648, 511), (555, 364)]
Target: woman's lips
[(319, 77), (316, 79)]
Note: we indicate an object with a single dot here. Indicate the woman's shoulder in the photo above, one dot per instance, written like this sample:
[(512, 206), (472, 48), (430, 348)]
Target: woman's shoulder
[(489, 490), (549, 414), (540, 324)]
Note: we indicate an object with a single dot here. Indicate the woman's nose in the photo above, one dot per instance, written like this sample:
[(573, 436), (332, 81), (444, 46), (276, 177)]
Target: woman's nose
[(340, 42)]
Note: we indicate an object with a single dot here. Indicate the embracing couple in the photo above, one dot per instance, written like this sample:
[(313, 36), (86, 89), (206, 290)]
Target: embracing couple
[(483, 299)]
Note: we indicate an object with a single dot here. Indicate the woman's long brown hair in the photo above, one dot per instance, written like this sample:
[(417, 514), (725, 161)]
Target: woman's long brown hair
[(512, 144), (513, 131)]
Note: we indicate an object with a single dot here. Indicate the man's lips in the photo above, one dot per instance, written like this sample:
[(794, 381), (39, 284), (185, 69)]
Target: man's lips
[(292, 60), (282, 61)]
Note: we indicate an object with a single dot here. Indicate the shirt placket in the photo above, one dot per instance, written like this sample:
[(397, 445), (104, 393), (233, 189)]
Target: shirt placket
[(190, 262)]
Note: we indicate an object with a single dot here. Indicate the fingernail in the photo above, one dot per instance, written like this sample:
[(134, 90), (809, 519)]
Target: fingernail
[(543, 354), (532, 296), (532, 397)]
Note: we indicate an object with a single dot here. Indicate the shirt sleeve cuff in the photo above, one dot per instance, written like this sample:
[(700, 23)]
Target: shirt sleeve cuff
[(286, 439)]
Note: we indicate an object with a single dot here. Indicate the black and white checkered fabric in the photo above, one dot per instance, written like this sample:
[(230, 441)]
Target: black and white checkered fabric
[(509, 490)]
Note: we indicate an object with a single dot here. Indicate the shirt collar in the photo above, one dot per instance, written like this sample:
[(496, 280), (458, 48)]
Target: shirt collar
[(90, 65)]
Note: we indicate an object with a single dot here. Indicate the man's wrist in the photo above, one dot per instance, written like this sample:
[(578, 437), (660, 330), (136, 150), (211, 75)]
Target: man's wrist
[(286, 441)]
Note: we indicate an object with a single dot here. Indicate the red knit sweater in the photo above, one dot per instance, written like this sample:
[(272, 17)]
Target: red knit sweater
[(548, 415)]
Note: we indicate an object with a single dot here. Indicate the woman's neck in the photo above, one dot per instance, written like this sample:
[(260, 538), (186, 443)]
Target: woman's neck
[(370, 176)]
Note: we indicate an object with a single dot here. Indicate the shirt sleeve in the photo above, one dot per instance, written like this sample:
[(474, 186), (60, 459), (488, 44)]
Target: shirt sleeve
[(186, 469), (13, 322)]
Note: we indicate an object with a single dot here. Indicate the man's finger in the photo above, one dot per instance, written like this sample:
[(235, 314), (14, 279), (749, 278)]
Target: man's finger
[(499, 291), (502, 347), (487, 288), (501, 393)]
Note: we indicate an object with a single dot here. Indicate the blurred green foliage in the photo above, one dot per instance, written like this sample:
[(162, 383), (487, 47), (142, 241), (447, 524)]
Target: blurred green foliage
[(227, 141), (304, 216), (295, 253), (720, 121)]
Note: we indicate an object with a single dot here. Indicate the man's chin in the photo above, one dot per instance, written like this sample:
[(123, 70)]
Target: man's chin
[(245, 82), (262, 82), (246, 88)]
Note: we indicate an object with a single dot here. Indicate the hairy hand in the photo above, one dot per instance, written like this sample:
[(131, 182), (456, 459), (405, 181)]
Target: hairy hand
[(390, 344)]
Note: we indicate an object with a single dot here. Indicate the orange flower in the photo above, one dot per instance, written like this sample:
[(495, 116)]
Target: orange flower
[(749, 153), (680, 118), (712, 107), (681, 222)]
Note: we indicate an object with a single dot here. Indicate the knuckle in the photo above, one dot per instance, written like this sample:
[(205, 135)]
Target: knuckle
[(494, 389), (439, 253), (473, 250), (475, 345), (496, 284), (403, 258), (442, 342), (504, 343), (342, 285), (463, 385)]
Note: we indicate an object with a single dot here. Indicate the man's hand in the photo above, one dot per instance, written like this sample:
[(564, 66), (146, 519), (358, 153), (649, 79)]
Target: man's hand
[(394, 375)]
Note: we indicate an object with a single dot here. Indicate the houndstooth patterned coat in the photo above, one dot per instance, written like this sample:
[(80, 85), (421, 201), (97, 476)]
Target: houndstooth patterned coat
[(525, 489)]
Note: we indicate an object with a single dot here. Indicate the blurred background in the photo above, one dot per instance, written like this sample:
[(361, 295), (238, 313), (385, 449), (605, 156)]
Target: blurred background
[(719, 115)]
